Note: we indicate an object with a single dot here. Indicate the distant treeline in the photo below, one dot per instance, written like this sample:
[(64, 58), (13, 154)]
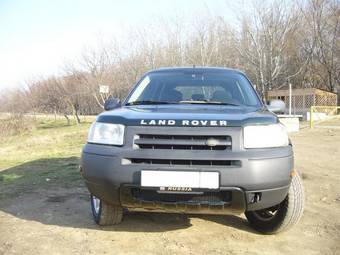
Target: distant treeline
[(274, 43)]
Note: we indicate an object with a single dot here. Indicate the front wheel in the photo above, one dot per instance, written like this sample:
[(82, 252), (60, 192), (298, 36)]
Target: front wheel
[(282, 216), (105, 214)]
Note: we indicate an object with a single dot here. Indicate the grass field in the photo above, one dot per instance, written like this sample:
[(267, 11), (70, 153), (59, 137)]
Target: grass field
[(45, 156)]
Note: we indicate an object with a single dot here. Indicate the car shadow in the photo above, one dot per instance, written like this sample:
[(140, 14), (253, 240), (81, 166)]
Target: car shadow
[(52, 192)]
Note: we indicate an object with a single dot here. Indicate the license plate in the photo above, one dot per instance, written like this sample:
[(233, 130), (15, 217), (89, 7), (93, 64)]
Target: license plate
[(181, 179)]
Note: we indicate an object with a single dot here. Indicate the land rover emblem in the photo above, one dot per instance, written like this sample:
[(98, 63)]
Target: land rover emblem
[(211, 142)]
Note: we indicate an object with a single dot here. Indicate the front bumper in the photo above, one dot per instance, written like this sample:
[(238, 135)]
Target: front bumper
[(260, 181)]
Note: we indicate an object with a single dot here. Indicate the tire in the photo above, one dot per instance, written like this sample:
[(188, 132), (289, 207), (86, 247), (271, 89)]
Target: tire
[(105, 214), (282, 216)]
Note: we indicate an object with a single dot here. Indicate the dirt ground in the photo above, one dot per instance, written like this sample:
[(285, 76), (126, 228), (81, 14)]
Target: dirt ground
[(58, 220)]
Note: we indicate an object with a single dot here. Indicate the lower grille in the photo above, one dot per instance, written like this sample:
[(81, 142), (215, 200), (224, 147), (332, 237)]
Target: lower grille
[(205, 198), (185, 162)]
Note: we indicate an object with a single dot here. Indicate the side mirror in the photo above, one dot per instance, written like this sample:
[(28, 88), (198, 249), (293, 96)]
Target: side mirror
[(277, 106), (111, 103)]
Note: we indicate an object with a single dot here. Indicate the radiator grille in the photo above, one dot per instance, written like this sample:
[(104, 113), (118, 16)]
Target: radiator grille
[(183, 142)]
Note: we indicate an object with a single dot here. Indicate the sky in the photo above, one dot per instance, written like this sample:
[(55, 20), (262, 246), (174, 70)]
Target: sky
[(38, 36)]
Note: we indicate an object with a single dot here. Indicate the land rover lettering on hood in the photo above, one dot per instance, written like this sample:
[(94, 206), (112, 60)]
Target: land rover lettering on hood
[(184, 122), (192, 140)]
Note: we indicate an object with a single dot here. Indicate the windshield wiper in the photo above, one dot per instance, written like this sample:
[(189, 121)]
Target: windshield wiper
[(207, 102), (149, 102)]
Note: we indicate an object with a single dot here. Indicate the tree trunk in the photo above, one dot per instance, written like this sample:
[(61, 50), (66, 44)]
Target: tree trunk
[(67, 118), (75, 114), (330, 81)]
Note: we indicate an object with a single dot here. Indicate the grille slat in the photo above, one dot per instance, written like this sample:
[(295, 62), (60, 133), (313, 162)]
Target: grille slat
[(183, 142), (179, 142), (185, 162), (204, 198)]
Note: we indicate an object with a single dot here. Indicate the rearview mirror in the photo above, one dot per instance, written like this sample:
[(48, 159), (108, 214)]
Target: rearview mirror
[(277, 106), (111, 103)]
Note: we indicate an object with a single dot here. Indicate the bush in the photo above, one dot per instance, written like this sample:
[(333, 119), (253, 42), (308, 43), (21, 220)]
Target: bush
[(14, 124)]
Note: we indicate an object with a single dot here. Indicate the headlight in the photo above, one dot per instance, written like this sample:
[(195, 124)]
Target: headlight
[(266, 136), (105, 133)]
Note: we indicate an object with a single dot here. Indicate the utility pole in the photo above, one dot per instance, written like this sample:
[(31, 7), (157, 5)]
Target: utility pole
[(290, 98)]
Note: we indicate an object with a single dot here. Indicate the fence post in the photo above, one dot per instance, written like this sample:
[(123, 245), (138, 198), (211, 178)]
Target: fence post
[(311, 117), (290, 99)]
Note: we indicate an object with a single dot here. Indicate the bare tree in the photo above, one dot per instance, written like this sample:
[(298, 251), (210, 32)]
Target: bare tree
[(322, 21), (264, 40), (274, 42)]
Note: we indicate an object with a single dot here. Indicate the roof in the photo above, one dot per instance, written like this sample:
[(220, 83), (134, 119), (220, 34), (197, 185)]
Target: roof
[(299, 90), (326, 91), (195, 69)]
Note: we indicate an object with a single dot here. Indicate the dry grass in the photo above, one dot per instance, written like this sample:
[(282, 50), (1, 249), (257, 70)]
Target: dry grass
[(14, 124), (46, 155)]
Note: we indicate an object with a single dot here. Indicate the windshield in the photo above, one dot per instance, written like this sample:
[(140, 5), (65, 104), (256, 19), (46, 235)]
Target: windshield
[(228, 88)]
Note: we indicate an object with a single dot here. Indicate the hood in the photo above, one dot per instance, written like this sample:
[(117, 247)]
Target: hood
[(187, 115)]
